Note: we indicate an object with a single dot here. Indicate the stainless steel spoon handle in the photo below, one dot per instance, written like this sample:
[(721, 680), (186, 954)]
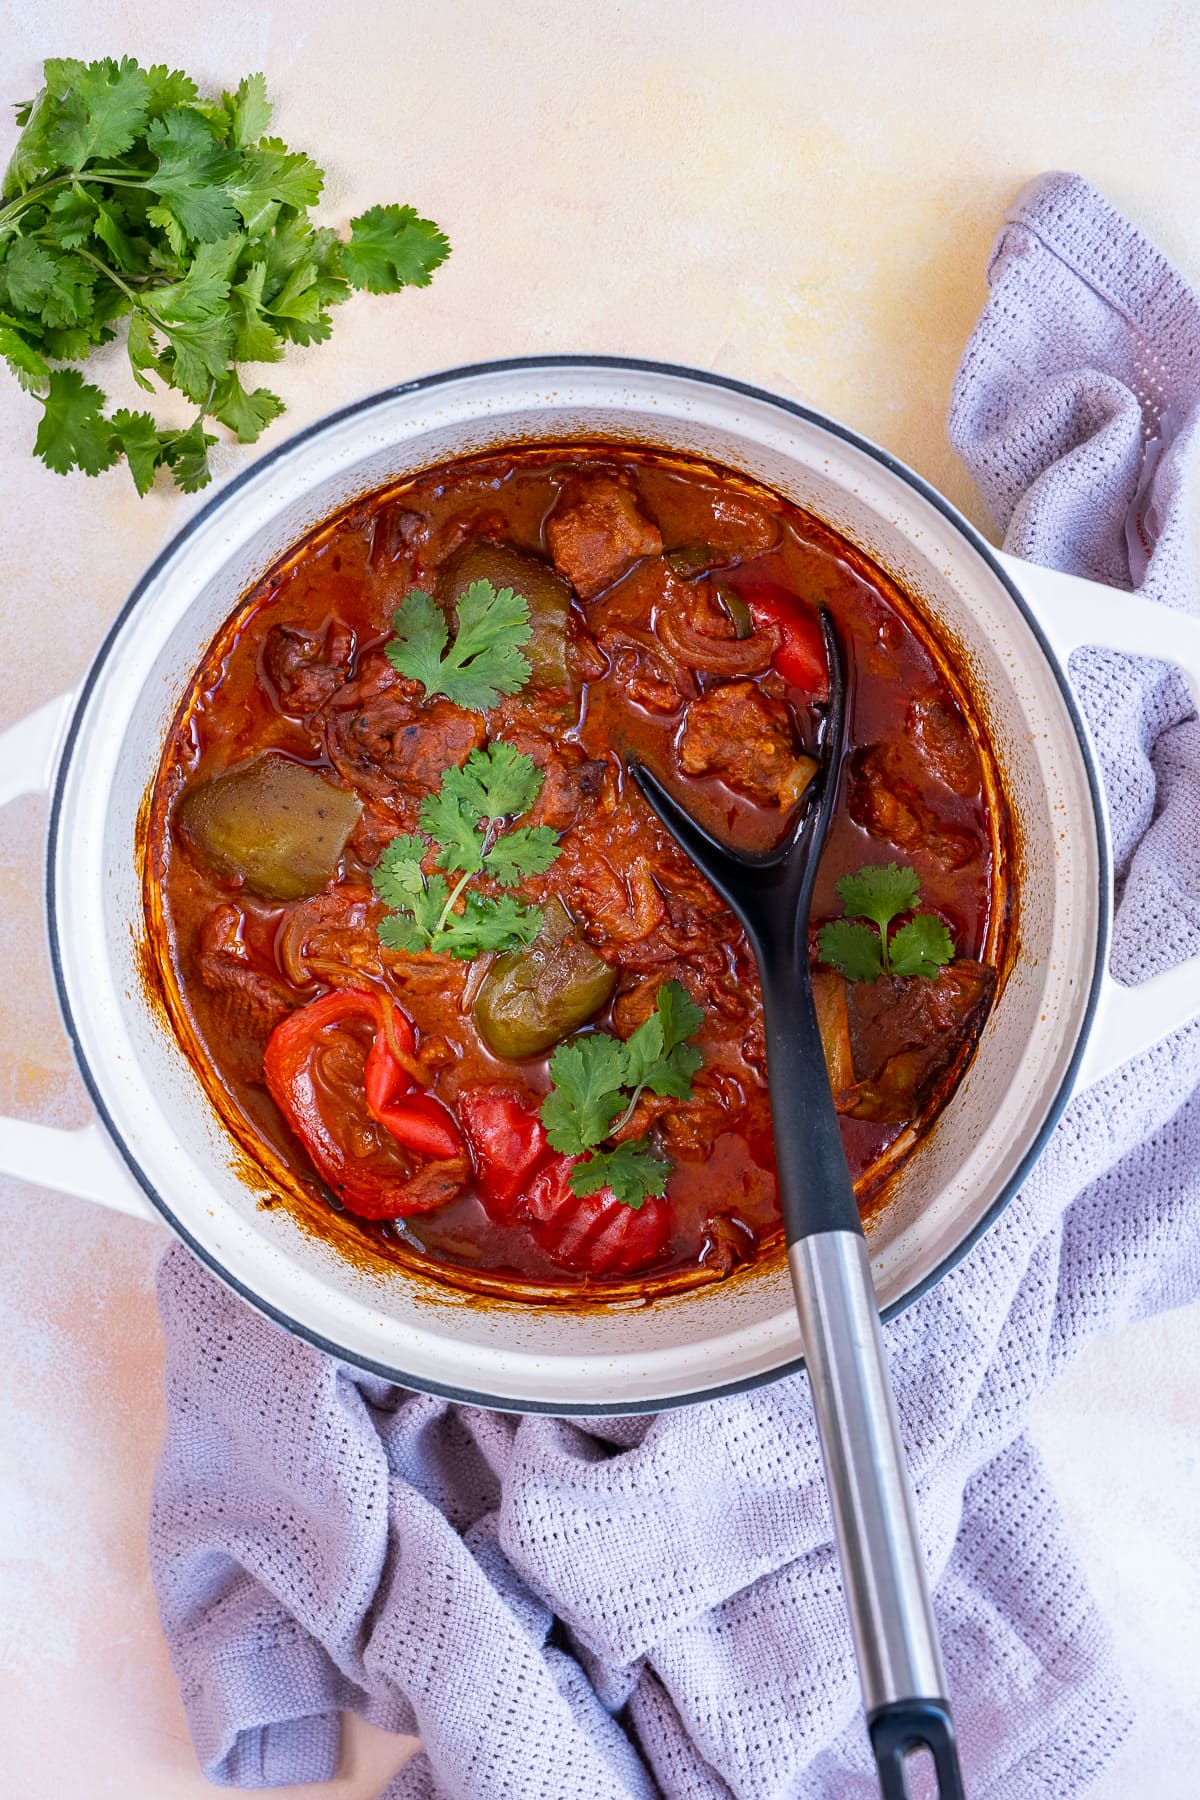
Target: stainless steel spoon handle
[(887, 1593)]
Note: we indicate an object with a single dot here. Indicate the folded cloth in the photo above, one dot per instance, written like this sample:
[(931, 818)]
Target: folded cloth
[(611, 1609)]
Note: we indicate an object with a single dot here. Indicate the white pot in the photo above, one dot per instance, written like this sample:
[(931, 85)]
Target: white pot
[(1059, 1022)]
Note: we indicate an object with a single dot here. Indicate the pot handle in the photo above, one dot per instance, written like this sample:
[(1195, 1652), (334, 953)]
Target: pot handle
[(84, 1162), (1073, 612)]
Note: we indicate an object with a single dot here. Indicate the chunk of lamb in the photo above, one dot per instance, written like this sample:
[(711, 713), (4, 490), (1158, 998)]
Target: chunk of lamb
[(885, 801), (747, 739), (597, 531), (945, 746), (905, 1032), (381, 735), (247, 1004), (306, 668)]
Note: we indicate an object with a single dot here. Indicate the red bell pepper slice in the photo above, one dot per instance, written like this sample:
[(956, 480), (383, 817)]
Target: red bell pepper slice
[(522, 1180), (800, 658), (507, 1142), (593, 1234), (381, 1183), (416, 1120)]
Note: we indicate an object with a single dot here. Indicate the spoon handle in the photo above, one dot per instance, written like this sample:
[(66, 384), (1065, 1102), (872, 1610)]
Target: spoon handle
[(883, 1572), (875, 1528)]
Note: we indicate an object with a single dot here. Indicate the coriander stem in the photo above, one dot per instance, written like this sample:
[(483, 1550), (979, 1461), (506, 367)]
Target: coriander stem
[(449, 906), (16, 207), (625, 1117), (130, 293)]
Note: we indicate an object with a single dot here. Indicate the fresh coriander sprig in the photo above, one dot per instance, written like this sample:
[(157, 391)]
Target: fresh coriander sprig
[(591, 1098), (881, 892), (130, 196), (485, 658), (465, 819)]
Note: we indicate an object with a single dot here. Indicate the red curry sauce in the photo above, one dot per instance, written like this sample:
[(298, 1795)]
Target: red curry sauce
[(299, 670)]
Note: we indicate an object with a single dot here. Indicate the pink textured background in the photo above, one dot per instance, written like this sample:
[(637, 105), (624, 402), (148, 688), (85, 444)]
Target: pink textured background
[(796, 197)]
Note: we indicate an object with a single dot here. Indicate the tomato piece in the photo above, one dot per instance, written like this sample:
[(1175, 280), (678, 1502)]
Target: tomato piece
[(593, 1234), (316, 1065), (800, 659), (507, 1141)]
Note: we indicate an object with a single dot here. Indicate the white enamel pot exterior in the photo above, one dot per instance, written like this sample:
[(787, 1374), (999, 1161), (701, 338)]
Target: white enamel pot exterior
[(1058, 1022)]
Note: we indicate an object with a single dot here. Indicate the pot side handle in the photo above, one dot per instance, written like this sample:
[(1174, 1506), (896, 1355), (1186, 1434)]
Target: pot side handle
[(1073, 612), (84, 1162)]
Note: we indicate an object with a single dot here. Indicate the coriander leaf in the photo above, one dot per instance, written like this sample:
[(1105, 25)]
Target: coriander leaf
[(588, 1075), (29, 275), (136, 434), (187, 456), (171, 228), (273, 174), (32, 156), (659, 1058), (71, 343), (854, 950), (483, 662), (495, 782), (393, 247), (456, 830), (398, 877), (107, 227), (198, 355), (680, 1015), (419, 635), (192, 167), (429, 905), (632, 1171), (922, 947), (71, 299), (246, 414), (302, 279), (299, 297), (495, 622), (673, 1074), (527, 850), (253, 339), (73, 433), (644, 1048), (167, 89), (195, 320), (102, 113), (879, 891), (399, 932), (30, 368), (452, 817), (203, 291), (73, 216), (141, 350), (249, 109), (483, 925), (425, 905)]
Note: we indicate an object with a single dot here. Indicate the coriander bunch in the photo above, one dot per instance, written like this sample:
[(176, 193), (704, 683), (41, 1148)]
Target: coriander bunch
[(880, 892), (129, 196), (466, 819), (597, 1083)]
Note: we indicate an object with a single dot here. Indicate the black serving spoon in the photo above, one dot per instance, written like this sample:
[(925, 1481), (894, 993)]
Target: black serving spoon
[(883, 1573)]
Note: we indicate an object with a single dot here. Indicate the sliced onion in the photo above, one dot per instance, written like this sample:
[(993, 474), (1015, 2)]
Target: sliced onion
[(795, 782), (717, 656)]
